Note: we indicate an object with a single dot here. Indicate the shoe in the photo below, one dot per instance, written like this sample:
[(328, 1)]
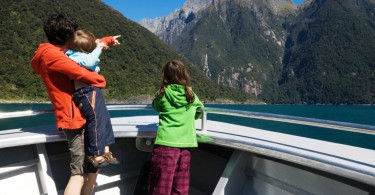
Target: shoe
[(110, 159), (98, 163)]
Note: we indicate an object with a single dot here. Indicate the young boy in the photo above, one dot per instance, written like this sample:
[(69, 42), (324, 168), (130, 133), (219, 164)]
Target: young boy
[(85, 49)]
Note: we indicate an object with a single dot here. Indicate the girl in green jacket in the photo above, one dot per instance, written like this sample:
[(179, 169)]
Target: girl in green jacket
[(177, 104)]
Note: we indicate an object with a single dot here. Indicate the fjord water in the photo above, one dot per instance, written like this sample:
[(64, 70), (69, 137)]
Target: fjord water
[(353, 114)]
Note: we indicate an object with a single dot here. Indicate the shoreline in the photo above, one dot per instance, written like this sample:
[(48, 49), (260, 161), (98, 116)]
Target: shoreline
[(125, 102), (143, 99), (132, 101)]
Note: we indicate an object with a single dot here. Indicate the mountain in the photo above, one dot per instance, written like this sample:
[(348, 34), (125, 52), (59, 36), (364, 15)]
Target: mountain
[(238, 43), (171, 26), (319, 52), (329, 55), (132, 70)]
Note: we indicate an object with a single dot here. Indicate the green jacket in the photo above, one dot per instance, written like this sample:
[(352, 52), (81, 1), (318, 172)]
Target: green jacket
[(176, 118)]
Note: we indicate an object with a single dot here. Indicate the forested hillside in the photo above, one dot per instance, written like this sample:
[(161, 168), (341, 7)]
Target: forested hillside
[(132, 69), (329, 55)]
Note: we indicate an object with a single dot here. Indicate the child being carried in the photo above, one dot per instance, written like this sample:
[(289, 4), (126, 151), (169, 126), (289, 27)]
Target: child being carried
[(85, 50)]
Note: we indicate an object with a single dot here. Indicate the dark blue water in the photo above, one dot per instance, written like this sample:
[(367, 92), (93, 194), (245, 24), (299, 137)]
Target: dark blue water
[(47, 119), (353, 114)]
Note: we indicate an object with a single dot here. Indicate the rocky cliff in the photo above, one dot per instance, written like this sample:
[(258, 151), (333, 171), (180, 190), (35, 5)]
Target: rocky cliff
[(238, 43)]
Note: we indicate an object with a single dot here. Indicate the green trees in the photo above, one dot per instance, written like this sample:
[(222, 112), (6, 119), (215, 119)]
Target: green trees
[(330, 53)]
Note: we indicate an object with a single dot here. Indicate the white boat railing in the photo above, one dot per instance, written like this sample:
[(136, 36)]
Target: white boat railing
[(4, 115), (364, 172), (343, 126)]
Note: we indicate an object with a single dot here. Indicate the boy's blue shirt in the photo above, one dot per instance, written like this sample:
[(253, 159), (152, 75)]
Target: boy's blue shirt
[(87, 60)]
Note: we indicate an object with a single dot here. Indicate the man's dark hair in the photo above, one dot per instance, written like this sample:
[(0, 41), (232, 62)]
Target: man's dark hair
[(59, 28)]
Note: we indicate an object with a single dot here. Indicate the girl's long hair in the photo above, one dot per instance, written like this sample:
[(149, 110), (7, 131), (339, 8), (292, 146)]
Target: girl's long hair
[(174, 72)]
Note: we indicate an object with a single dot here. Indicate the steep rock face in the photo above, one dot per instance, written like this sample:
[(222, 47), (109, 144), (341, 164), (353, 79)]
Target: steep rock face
[(238, 43), (168, 28), (171, 26)]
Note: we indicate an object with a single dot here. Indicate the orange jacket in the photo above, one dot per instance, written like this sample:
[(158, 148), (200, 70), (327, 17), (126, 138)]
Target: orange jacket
[(58, 72)]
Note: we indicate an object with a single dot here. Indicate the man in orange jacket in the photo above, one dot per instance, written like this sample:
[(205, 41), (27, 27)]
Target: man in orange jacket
[(58, 73)]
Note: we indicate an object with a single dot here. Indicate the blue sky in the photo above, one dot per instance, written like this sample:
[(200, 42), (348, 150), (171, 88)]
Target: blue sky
[(136, 10)]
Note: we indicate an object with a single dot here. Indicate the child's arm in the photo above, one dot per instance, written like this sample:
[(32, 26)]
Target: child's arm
[(110, 41), (91, 60), (156, 103), (199, 105)]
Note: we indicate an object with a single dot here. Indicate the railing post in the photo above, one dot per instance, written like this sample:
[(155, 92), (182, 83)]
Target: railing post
[(45, 172), (204, 121)]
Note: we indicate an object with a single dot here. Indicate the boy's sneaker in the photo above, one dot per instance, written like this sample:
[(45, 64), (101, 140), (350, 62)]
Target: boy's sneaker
[(110, 159), (98, 161)]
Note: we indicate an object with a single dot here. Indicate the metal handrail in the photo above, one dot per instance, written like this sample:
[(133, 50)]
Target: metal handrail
[(4, 115), (130, 107), (345, 126)]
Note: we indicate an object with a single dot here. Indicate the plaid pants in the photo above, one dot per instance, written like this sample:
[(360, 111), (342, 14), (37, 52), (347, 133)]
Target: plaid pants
[(170, 171)]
